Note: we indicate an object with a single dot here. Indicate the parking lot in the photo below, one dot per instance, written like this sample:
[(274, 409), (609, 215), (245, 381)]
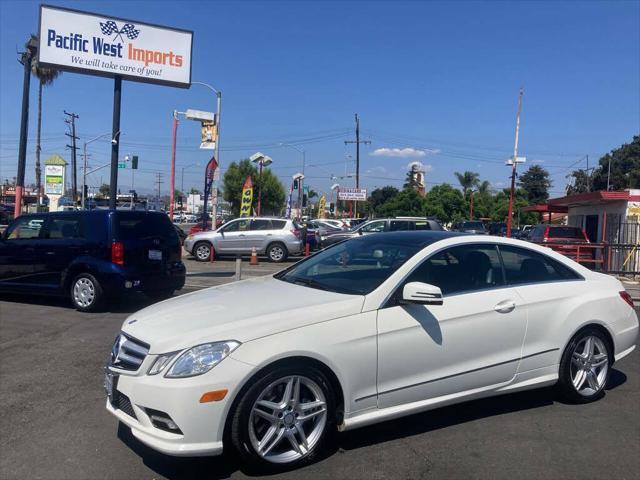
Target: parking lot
[(55, 425)]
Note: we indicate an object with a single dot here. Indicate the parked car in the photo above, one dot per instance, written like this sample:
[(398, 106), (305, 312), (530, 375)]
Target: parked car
[(385, 225), (91, 256), (277, 238), (324, 229), (525, 232), (476, 227), (497, 228), (366, 331), (337, 223), (563, 239)]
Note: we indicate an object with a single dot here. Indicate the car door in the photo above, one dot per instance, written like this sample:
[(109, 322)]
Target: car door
[(63, 240), (470, 342), (259, 232), (233, 237), (547, 288), (18, 251)]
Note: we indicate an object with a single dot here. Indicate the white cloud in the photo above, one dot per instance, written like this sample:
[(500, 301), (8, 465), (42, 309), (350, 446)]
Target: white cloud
[(406, 152)]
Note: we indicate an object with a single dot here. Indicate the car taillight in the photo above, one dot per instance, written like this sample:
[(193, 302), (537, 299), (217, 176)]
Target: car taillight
[(545, 237), (627, 298), (117, 253), (295, 232)]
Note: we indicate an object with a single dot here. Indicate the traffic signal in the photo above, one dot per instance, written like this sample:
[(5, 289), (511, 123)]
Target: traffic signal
[(332, 207), (134, 162), (295, 184)]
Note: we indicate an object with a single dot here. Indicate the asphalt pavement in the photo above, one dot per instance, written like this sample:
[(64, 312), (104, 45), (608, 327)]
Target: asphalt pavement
[(54, 424)]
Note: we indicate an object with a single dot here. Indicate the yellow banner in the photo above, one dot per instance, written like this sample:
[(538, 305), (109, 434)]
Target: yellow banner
[(247, 198), (321, 206)]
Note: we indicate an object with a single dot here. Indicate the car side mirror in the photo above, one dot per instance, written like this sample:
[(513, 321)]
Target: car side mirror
[(421, 294), (360, 232)]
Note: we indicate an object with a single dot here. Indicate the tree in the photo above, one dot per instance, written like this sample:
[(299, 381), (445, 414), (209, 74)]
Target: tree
[(467, 180), (272, 190), (625, 168), (578, 183), (194, 191), (104, 190), (410, 182), (380, 195), (445, 203), (45, 76), (536, 183), (408, 202)]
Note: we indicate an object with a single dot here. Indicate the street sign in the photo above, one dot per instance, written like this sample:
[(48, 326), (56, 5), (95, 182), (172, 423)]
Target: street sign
[(352, 194), (122, 165)]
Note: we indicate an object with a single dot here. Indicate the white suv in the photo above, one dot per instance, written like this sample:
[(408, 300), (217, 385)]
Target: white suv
[(277, 238)]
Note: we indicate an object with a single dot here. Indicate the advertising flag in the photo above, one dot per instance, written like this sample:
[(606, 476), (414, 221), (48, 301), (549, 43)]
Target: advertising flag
[(247, 198), (321, 206), (209, 175)]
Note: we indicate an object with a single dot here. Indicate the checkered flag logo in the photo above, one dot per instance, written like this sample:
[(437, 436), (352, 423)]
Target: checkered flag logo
[(110, 28), (130, 31)]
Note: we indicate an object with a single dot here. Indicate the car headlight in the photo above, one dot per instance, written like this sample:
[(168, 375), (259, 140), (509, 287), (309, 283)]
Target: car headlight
[(200, 359), (161, 362)]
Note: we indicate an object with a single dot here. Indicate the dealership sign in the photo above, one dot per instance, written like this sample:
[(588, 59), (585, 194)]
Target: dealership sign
[(109, 46), (352, 194), (54, 179)]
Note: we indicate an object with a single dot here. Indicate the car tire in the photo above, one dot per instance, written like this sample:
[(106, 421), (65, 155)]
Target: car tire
[(249, 429), (585, 367), (159, 295), (202, 251), (277, 252), (86, 293)]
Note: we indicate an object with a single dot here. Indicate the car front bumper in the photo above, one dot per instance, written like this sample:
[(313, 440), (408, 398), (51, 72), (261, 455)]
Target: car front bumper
[(201, 424)]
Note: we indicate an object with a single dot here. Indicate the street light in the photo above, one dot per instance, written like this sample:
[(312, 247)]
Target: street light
[(114, 141), (263, 161), (302, 178), (218, 95)]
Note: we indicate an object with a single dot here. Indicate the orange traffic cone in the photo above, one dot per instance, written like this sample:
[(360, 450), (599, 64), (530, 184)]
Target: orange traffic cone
[(254, 257)]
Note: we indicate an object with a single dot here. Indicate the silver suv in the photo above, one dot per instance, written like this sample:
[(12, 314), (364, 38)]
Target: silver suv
[(277, 238)]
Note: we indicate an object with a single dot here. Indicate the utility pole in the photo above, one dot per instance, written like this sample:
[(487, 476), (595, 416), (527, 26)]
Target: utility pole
[(357, 141), (514, 163), (74, 179), (159, 182)]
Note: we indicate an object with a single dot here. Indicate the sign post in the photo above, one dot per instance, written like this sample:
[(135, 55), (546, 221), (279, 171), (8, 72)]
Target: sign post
[(107, 46)]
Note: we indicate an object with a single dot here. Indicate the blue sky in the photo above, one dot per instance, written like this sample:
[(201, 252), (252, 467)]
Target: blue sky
[(439, 77)]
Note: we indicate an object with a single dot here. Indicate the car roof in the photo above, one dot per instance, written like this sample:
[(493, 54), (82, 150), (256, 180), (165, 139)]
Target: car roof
[(417, 237)]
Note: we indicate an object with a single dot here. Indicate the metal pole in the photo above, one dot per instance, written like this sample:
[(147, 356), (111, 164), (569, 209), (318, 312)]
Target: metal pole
[(84, 173), (214, 205), (24, 127), (172, 181), (115, 145), (513, 169), (260, 189)]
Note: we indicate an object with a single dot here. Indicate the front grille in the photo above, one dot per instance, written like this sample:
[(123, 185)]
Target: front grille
[(122, 402), (128, 353)]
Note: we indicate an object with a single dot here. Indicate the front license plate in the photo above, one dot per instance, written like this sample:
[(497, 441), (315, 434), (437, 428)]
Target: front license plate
[(109, 380), (155, 254)]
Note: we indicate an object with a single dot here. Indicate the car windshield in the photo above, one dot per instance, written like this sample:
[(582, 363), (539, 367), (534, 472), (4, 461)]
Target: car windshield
[(566, 232), (355, 267)]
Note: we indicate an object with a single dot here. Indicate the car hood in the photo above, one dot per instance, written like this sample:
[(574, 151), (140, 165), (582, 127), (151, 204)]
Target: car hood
[(240, 311)]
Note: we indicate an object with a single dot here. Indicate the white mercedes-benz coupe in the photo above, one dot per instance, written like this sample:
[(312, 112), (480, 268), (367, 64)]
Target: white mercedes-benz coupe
[(368, 330)]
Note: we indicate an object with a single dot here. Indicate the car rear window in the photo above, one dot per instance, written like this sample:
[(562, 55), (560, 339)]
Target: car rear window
[(132, 226), (474, 225), (566, 232), (422, 225)]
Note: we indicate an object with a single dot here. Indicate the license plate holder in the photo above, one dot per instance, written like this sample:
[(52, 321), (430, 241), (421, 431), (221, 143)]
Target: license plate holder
[(155, 254)]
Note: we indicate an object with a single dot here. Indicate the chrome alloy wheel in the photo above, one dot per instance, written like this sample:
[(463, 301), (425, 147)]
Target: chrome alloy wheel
[(589, 366), (203, 252), (84, 292), (288, 419), (276, 253)]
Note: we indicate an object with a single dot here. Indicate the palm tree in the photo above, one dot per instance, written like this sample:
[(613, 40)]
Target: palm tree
[(467, 180), (45, 76)]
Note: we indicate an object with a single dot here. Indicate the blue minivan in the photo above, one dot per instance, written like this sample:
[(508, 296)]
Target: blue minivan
[(91, 256)]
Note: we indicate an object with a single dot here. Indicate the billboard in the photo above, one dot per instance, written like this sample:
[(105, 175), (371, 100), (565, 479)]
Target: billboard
[(54, 179), (108, 46), (350, 194)]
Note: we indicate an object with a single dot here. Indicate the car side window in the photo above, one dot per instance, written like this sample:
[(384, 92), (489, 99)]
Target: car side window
[(374, 227), (26, 228), (278, 224), (261, 224), (422, 225), (399, 225), (238, 226), (65, 227), (526, 266), (465, 268)]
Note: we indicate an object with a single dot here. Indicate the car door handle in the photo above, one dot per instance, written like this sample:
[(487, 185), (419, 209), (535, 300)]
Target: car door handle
[(505, 306), (241, 235)]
